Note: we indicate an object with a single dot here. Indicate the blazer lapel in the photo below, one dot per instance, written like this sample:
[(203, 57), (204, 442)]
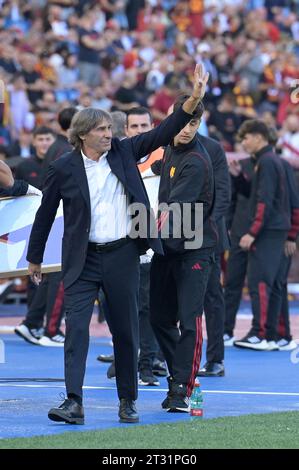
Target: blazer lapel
[(116, 166), (79, 173)]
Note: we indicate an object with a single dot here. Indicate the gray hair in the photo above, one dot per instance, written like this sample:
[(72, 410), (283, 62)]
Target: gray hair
[(83, 122), (119, 120)]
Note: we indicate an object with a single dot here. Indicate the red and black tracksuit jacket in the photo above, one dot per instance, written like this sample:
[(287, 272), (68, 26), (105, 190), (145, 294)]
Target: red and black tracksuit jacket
[(272, 221), (293, 199), (179, 279), (187, 177), (269, 205)]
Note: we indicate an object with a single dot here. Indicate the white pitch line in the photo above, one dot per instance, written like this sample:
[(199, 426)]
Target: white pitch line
[(7, 329), (149, 389)]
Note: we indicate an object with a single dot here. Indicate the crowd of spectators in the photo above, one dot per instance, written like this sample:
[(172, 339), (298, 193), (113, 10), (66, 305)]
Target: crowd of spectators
[(116, 54)]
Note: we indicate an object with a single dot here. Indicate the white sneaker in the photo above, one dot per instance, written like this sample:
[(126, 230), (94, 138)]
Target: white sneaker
[(252, 342), (272, 346), (32, 335), (285, 345), (55, 341), (228, 340)]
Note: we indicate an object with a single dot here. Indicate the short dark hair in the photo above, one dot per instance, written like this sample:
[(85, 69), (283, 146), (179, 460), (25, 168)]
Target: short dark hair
[(254, 126), (65, 117), (197, 113), (43, 130), (140, 110)]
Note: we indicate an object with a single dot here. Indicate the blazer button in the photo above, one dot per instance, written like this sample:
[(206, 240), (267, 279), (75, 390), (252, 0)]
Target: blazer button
[(87, 230)]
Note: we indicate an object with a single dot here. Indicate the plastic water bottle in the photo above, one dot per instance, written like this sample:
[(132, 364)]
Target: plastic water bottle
[(196, 403)]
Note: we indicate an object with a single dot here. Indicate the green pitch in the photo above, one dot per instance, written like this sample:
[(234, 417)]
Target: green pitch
[(266, 431)]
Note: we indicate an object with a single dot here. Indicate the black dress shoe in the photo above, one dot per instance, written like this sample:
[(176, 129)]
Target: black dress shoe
[(127, 411), (111, 371), (106, 358), (69, 411), (212, 369)]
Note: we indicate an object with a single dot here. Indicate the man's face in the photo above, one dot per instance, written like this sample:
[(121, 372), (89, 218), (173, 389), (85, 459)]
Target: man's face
[(137, 124), (42, 143), (252, 143), (187, 133), (99, 138)]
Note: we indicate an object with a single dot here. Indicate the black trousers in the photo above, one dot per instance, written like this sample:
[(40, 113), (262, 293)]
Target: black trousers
[(117, 272), (234, 281), (148, 343), (48, 299), (178, 286), (278, 320), (214, 309), (263, 272)]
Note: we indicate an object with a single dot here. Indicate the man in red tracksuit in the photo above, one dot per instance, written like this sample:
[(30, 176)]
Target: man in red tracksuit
[(270, 212), (179, 279)]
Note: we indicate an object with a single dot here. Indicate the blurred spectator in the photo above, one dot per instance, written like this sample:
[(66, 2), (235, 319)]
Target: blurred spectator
[(244, 99), (18, 104), (225, 77), (101, 98), (116, 9), (132, 10), (31, 170), (161, 101), (289, 137), (57, 26), (128, 96), (91, 44), (85, 100), (68, 72), (271, 85), (249, 65), (45, 69), (23, 146), (224, 122), (34, 82), (157, 73), (47, 102), (204, 56), (7, 59)]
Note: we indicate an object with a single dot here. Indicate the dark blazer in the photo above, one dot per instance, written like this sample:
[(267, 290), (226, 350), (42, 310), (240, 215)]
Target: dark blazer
[(222, 189), (238, 215), (55, 151), (67, 181)]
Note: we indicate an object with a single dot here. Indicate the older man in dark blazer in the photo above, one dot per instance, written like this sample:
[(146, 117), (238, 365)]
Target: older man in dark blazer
[(96, 182)]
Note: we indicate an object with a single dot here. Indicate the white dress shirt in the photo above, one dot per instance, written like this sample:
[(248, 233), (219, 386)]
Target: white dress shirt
[(108, 202)]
